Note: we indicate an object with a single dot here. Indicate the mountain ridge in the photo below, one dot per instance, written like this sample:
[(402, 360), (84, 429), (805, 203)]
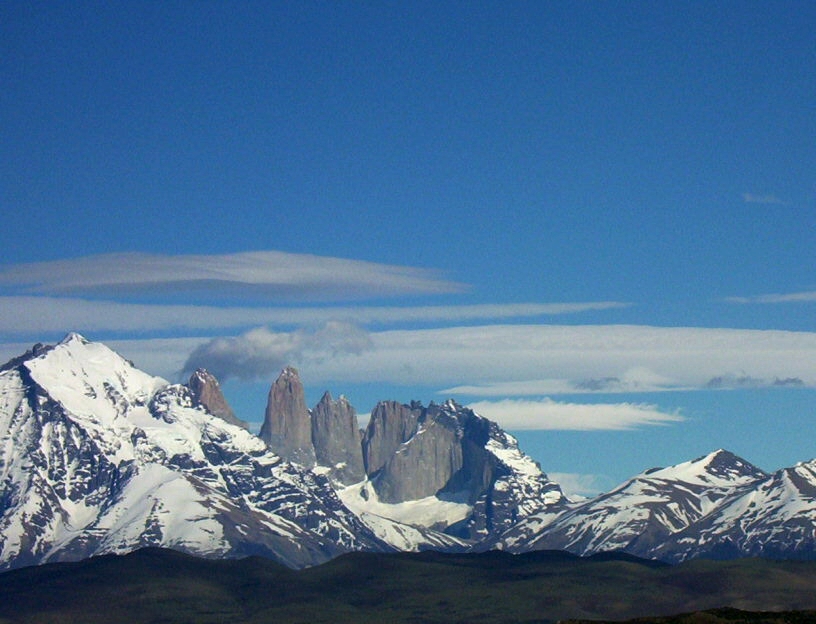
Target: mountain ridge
[(98, 457), (459, 473)]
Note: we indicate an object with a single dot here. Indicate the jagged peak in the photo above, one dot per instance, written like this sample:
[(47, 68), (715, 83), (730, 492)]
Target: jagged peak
[(718, 456), (289, 372), (719, 467), (328, 399), (76, 361), (206, 392), (80, 348), (722, 458), (203, 376), (35, 351), (74, 337)]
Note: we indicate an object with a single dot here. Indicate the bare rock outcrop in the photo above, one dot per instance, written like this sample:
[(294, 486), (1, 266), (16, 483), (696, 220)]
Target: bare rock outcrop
[(206, 391), (410, 452), (413, 452), (337, 440), (391, 425), (287, 427)]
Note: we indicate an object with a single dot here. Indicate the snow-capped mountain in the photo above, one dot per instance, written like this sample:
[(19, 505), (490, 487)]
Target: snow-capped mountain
[(772, 517), (715, 506), (97, 456), (478, 484), (640, 513), (420, 477)]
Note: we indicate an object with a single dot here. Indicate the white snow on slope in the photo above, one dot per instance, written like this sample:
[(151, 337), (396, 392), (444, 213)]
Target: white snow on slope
[(164, 499), (512, 456), (707, 471), (642, 512), (425, 512), (407, 526), (97, 456)]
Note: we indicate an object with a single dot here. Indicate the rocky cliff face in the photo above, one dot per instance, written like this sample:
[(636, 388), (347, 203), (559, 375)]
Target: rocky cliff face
[(287, 426), (337, 440), (326, 438), (463, 461), (441, 470), (414, 452), (391, 425), (206, 392)]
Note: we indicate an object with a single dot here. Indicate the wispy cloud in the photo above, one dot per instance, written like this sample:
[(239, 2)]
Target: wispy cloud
[(29, 314), (754, 198), (733, 382), (553, 415), (637, 379), (564, 358), (262, 274), (261, 353), (506, 360), (796, 297)]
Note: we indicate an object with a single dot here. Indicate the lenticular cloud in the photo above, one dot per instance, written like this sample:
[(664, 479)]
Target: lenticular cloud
[(273, 274), (548, 414)]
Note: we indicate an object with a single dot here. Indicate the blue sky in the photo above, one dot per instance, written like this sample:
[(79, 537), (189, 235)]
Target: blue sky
[(595, 221)]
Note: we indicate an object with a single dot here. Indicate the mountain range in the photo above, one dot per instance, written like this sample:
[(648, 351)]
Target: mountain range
[(99, 457)]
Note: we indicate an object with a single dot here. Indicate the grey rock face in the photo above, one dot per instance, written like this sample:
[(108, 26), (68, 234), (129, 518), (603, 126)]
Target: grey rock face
[(337, 439), (420, 451), (207, 393), (514, 487), (422, 466), (450, 452), (287, 427), (391, 425)]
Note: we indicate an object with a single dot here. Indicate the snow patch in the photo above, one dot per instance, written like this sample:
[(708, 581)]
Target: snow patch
[(427, 512)]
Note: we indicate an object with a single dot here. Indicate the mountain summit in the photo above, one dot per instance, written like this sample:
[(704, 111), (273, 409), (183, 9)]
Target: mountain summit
[(97, 456), (644, 513), (206, 392), (287, 427)]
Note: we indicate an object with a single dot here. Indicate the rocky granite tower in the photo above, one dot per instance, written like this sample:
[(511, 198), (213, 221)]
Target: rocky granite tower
[(337, 439), (413, 452), (287, 427), (447, 451), (207, 393), (483, 484), (391, 425)]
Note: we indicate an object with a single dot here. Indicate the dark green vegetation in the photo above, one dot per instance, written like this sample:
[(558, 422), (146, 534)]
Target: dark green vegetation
[(161, 586), (725, 615)]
